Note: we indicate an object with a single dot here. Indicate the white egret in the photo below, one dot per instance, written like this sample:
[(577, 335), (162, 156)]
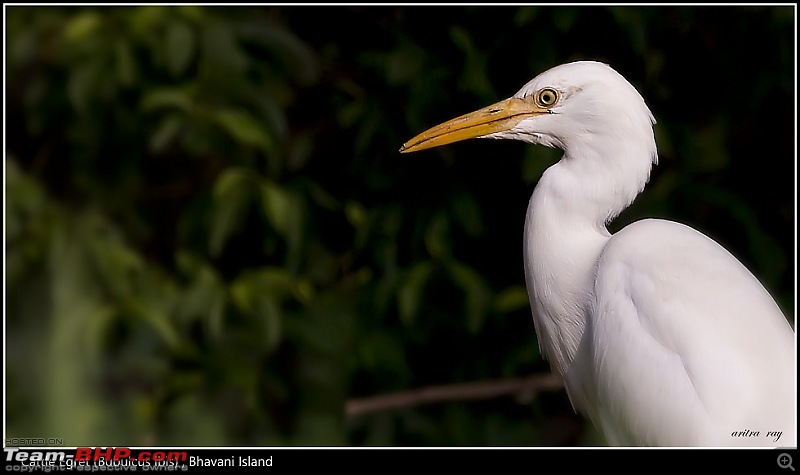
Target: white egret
[(662, 337)]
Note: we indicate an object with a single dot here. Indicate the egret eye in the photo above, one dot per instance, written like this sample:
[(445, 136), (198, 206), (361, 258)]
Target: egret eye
[(547, 97)]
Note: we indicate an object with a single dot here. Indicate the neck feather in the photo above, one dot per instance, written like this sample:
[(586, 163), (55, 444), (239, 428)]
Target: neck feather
[(565, 231)]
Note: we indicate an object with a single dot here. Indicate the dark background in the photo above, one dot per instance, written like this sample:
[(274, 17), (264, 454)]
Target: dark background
[(211, 238)]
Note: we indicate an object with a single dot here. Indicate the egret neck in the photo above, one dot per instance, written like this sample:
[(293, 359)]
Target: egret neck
[(565, 232)]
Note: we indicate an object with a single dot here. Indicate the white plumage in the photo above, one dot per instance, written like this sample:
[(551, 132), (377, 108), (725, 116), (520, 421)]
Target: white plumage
[(662, 337)]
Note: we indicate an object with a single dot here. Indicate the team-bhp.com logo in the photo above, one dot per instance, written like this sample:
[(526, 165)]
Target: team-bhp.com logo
[(28, 460)]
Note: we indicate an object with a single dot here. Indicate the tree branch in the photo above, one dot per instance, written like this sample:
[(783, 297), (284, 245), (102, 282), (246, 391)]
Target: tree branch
[(525, 388)]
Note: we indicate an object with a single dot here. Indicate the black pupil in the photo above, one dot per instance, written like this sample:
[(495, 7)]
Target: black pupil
[(547, 97)]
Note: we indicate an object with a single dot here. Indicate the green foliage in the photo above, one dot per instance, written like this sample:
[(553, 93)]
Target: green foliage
[(212, 240)]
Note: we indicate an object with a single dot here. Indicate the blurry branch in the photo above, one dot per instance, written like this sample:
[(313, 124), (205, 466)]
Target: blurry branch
[(525, 389)]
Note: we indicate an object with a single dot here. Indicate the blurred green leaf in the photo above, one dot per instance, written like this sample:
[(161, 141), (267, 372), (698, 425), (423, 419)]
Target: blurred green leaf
[(475, 78), (127, 69), (404, 62), (82, 25), (409, 294), (707, 152), (379, 351), (179, 47), (145, 18), (356, 214), (82, 85), (279, 206), (115, 264), (243, 128), (233, 193), (476, 294), (159, 320), (299, 61), (511, 299), (178, 98), (272, 282), (259, 294), (437, 236), (190, 420), (166, 132), (222, 56), (468, 213), (204, 298)]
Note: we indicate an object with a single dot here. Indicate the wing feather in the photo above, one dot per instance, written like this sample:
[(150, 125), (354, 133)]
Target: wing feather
[(683, 345)]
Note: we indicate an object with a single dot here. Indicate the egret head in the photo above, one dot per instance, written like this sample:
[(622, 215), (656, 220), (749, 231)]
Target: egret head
[(571, 106)]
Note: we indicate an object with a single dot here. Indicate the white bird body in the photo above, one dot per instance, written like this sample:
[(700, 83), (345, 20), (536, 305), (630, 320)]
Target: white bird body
[(663, 338), (653, 358)]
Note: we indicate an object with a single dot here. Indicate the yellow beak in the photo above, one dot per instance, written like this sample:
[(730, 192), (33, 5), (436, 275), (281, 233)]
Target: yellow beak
[(498, 117)]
